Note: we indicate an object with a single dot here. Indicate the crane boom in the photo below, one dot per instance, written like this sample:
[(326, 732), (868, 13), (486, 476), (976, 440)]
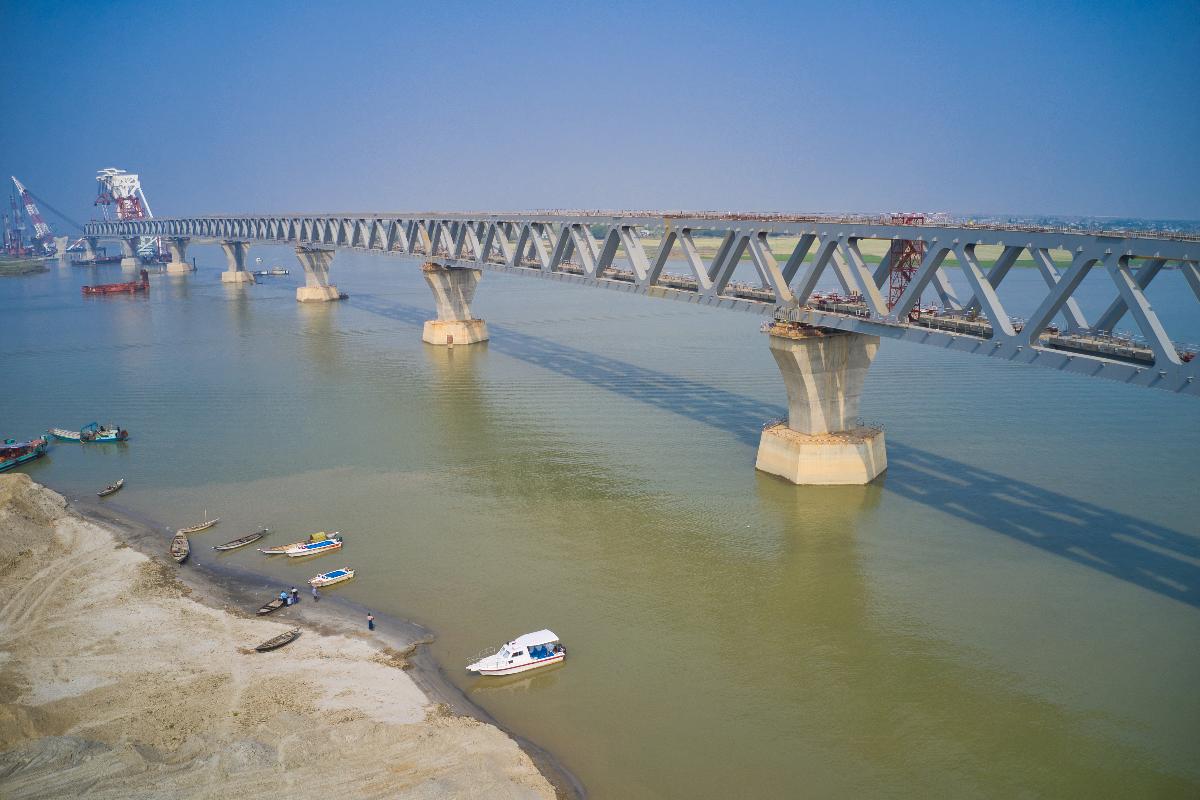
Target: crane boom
[(41, 231)]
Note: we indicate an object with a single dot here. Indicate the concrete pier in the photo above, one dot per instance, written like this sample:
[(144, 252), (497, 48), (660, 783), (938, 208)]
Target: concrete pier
[(129, 254), (453, 291), (60, 247), (89, 248), (235, 259), (177, 247), (821, 443), (316, 288)]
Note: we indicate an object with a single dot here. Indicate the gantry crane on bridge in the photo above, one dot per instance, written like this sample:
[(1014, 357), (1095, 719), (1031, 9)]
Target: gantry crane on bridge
[(116, 187)]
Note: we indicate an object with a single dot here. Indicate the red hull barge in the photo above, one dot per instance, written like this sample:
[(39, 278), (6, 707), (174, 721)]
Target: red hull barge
[(129, 287)]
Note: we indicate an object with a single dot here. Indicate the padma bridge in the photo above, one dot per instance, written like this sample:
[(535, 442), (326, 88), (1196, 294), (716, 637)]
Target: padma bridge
[(823, 343)]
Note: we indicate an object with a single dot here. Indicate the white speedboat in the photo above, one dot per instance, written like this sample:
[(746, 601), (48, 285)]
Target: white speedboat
[(533, 650)]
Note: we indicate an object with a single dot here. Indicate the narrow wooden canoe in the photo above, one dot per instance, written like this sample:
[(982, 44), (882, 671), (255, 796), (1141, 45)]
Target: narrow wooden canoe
[(203, 526), (243, 541), (111, 488), (180, 548), (276, 642), (274, 605)]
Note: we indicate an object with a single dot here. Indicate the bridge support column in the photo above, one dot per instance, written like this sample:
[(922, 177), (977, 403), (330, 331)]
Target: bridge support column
[(453, 290), (129, 254), (89, 248), (235, 259), (316, 288), (60, 247), (177, 247), (821, 442)]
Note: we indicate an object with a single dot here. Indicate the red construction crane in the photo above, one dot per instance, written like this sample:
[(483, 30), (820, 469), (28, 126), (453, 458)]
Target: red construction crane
[(42, 234), (905, 257)]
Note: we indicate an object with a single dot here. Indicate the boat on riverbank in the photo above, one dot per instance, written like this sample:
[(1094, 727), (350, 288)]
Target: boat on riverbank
[(312, 537), (112, 488), (201, 526), (242, 541), (13, 452), (181, 548), (530, 651), (274, 604), (315, 548), (332, 577), (275, 642)]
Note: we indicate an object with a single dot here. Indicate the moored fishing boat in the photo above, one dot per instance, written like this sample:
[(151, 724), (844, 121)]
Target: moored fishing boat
[(275, 642), (312, 537), (332, 577), (274, 604), (314, 548), (242, 541), (202, 526), (112, 488), (180, 548), (65, 435), (93, 433), (533, 650), (13, 452)]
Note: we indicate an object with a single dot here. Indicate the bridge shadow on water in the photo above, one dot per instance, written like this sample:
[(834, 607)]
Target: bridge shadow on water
[(1142, 553)]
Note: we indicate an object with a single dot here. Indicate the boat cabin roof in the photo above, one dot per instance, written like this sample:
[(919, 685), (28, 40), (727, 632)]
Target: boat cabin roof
[(534, 639)]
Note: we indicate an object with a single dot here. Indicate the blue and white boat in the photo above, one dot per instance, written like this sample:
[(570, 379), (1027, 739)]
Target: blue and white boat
[(533, 650), (13, 452), (313, 548), (332, 577), (93, 432)]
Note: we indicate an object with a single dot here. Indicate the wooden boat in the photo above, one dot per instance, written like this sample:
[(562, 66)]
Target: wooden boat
[(276, 642), (130, 287), (312, 537), (332, 577), (274, 605), (242, 541), (180, 548), (112, 488), (93, 433), (65, 435), (203, 526), (314, 548), (13, 452)]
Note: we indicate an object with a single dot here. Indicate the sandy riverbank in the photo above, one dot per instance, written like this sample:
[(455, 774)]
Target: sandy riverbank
[(119, 681)]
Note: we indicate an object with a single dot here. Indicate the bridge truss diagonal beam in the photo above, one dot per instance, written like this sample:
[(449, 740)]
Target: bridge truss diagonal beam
[(605, 250)]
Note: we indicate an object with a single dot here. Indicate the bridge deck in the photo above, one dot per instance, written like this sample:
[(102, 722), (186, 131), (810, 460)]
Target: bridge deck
[(585, 247)]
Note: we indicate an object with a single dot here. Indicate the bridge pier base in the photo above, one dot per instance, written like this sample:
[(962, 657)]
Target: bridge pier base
[(316, 288), (60, 247), (177, 247), (822, 443), (453, 291), (89, 248), (235, 259), (129, 254)]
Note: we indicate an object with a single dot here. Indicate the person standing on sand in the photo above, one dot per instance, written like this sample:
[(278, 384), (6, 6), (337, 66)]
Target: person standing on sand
[(316, 594), (370, 621), (295, 595)]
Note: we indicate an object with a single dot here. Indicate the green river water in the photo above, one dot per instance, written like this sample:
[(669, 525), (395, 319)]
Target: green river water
[(1012, 610)]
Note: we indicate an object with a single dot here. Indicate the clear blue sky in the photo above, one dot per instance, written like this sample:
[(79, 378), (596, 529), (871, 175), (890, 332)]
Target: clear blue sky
[(1024, 107)]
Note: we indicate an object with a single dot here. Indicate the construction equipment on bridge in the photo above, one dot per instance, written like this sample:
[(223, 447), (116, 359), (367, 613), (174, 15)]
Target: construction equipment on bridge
[(905, 257), (14, 231), (130, 287), (43, 237), (116, 187)]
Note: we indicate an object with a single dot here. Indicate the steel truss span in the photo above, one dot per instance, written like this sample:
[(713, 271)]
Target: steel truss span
[(606, 251)]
